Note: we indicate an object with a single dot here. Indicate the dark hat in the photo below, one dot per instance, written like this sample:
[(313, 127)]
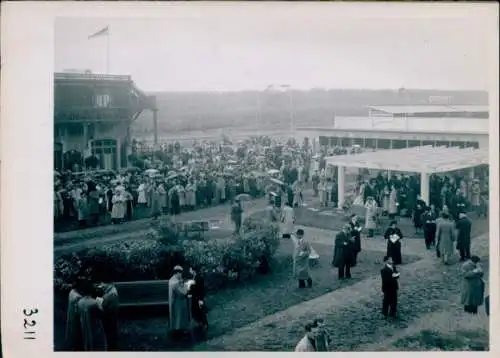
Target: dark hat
[(300, 232), (393, 222)]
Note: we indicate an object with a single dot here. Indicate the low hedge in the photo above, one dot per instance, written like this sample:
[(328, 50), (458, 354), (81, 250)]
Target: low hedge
[(154, 255)]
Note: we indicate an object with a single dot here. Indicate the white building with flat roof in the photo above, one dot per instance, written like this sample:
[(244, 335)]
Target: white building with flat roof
[(397, 127)]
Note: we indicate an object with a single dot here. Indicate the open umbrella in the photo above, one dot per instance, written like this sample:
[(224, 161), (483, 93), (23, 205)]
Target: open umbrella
[(243, 197), (173, 176), (277, 181), (151, 171), (273, 171)]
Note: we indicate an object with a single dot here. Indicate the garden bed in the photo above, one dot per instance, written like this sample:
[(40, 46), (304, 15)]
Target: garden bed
[(236, 306)]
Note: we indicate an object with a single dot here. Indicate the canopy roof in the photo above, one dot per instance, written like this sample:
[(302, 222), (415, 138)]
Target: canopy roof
[(423, 109), (425, 159)]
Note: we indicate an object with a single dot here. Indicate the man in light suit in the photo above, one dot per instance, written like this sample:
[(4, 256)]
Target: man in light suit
[(445, 234)]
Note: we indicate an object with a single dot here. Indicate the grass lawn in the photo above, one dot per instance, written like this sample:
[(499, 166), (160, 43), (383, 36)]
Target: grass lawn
[(426, 287), (309, 218), (460, 340), (245, 303)]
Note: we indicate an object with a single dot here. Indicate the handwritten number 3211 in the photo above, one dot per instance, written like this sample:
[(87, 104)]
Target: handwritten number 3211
[(29, 322)]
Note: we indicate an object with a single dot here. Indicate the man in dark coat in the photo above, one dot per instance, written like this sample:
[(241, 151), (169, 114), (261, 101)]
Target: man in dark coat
[(355, 232), (429, 221), (198, 307), (390, 287), (343, 252), (464, 227)]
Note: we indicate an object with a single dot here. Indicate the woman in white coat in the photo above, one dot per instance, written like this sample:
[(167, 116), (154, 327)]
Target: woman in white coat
[(288, 221), (141, 191)]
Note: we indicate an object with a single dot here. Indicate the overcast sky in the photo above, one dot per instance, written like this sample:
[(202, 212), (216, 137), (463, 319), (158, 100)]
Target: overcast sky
[(250, 49)]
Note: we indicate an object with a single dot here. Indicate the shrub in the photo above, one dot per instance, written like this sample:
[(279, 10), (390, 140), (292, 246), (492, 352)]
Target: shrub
[(155, 255)]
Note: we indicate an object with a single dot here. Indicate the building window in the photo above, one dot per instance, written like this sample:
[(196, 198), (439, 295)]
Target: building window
[(441, 143), (429, 142), (370, 143), (458, 144), (358, 141), (414, 143), (384, 144), (472, 145), (323, 141), (398, 144)]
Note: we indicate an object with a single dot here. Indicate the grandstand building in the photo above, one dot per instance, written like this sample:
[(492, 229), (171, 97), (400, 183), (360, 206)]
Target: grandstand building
[(397, 127), (92, 118)]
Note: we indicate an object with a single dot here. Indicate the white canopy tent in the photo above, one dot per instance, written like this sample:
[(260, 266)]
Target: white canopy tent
[(425, 160)]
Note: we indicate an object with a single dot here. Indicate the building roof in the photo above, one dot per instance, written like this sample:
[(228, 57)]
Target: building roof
[(425, 159), (422, 109)]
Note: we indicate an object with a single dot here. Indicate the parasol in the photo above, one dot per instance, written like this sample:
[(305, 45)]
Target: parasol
[(243, 197), (151, 171), (277, 181), (273, 171), (172, 176), (231, 161)]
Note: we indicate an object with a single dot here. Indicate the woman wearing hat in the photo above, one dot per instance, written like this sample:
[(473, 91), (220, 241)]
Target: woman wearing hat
[(393, 235), (371, 216)]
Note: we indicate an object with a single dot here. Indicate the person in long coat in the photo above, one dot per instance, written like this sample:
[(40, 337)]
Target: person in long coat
[(356, 236), (371, 216), (190, 196), (141, 190), (198, 306), (475, 196), (393, 203), (464, 229), (288, 221), (109, 305), (418, 210), (390, 287), (119, 208), (393, 235), (472, 285), (445, 234), (163, 197), (301, 254), (155, 202), (386, 193), (74, 339), (93, 336), (429, 220), (323, 195), (343, 252), (179, 314)]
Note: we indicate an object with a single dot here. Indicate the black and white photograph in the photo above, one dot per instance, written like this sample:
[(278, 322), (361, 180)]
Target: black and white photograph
[(264, 177)]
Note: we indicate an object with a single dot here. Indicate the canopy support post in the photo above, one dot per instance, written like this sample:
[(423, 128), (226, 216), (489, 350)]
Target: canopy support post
[(424, 187), (341, 185)]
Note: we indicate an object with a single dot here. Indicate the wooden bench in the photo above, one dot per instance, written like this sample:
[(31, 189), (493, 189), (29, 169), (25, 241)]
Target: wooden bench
[(196, 226), (143, 295)]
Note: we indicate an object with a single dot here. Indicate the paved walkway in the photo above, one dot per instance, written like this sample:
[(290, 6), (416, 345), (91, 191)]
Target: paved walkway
[(336, 300)]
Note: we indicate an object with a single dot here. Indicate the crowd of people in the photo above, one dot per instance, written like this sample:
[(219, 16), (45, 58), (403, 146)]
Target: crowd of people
[(214, 173)]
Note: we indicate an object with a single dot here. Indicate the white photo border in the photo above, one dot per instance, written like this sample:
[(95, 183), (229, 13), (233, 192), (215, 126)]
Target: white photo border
[(27, 142)]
